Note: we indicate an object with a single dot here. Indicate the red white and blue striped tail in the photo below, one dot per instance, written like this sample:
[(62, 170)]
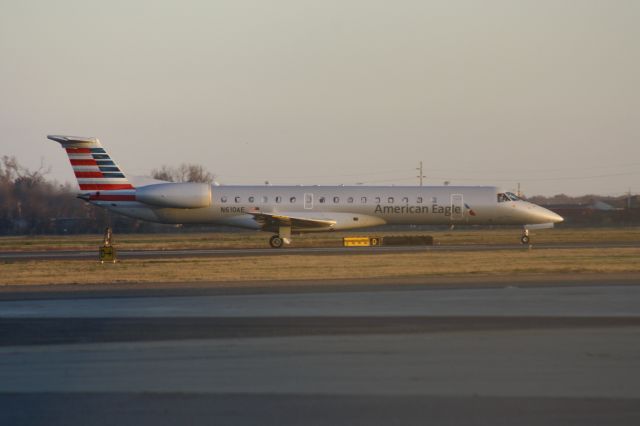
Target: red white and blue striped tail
[(95, 170)]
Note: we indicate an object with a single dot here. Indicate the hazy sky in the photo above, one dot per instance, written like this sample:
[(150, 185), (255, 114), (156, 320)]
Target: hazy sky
[(542, 92)]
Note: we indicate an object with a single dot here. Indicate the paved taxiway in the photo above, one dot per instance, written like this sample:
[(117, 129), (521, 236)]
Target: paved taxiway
[(138, 254), (500, 354)]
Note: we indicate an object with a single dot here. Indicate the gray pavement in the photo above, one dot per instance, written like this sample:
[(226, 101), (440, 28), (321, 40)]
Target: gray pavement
[(551, 355), (597, 299), (159, 409), (550, 363)]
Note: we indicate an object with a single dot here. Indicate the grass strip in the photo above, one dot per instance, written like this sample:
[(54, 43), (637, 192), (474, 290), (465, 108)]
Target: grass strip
[(307, 267)]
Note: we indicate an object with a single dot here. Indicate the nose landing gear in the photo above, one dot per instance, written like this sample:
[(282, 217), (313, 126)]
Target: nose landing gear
[(525, 236)]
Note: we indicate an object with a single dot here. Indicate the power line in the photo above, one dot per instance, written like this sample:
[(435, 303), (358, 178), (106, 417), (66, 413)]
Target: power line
[(376, 173), (420, 169), (544, 179), (421, 176), (538, 170), (513, 179)]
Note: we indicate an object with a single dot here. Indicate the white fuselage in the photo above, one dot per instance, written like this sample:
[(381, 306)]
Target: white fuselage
[(348, 207)]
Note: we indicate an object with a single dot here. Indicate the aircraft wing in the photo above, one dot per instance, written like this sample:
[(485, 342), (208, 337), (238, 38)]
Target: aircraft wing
[(294, 220)]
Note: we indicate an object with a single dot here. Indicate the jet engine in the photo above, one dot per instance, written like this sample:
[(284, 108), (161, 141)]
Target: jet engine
[(187, 195)]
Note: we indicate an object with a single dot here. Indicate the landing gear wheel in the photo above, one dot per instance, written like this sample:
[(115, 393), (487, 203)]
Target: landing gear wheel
[(276, 242), (524, 239)]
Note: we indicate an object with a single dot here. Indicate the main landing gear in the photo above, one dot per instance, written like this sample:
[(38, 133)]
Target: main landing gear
[(283, 237), (276, 241), (525, 236)]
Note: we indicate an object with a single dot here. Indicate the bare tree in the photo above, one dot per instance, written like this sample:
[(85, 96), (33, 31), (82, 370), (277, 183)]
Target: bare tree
[(163, 173), (25, 197), (184, 173), (32, 204)]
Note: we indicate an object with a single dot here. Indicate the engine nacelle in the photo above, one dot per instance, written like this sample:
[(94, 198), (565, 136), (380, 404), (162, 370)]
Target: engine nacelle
[(188, 195)]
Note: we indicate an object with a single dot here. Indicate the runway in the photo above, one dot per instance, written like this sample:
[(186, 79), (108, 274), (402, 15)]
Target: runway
[(292, 250), (497, 353)]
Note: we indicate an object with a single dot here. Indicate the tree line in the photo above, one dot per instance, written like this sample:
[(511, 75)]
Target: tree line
[(31, 204)]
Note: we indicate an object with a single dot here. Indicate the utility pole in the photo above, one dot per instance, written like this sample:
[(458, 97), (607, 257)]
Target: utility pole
[(420, 175), (519, 194)]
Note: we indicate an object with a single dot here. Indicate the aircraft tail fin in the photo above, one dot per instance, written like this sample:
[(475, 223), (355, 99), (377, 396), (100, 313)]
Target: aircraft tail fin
[(95, 170)]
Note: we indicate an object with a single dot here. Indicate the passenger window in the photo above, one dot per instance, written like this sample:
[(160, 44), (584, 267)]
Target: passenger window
[(378, 200), (434, 200), (278, 199), (321, 199), (419, 200), (350, 200), (223, 199), (251, 199), (405, 200), (265, 199), (390, 200), (292, 200), (363, 200), (237, 199), (336, 200)]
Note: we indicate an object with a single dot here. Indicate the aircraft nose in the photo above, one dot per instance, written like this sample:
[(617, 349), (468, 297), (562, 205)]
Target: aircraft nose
[(538, 214), (550, 216)]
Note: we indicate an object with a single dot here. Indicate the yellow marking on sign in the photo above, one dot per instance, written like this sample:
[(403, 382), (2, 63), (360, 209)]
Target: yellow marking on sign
[(360, 241)]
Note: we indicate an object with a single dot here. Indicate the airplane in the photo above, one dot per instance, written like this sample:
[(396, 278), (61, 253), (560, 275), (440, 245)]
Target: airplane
[(289, 210)]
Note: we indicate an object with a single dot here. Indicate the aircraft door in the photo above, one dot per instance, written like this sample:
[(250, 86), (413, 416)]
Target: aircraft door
[(308, 200), (457, 207)]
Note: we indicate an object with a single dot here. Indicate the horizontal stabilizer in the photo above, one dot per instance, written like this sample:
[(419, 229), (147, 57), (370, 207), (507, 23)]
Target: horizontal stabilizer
[(73, 140)]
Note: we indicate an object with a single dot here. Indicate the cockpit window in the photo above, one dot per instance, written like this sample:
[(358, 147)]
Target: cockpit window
[(513, 196), (505, 197)]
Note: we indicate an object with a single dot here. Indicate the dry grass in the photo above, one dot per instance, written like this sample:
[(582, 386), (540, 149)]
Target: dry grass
[(301, 267), (259, 239)]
